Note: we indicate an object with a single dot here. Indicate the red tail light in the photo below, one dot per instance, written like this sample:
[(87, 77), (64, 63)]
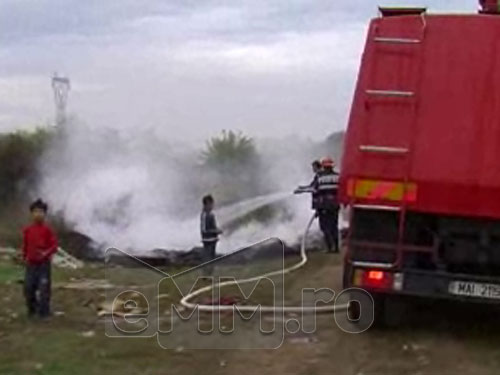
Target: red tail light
[(375, 275), (376, 279)]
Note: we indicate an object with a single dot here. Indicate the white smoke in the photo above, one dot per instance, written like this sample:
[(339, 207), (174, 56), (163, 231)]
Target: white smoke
[(138, 191), (287, 229)]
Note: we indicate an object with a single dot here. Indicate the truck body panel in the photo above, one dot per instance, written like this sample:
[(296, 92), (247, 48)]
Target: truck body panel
[(426, 115)]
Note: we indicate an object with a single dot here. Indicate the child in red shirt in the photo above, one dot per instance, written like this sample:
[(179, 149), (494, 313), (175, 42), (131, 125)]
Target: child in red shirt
[(39, 245)]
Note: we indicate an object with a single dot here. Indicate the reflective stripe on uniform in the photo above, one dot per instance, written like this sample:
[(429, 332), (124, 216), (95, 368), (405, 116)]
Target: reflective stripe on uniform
[(211, 239), (328, 187)]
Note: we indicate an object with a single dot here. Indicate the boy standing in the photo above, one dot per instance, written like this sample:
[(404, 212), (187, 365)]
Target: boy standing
[(39, 245), (209, 230)]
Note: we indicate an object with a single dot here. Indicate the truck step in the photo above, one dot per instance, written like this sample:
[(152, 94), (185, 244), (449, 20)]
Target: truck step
[(376, 207), (373, 264), (383, 149), (396, 40), (390, 93)]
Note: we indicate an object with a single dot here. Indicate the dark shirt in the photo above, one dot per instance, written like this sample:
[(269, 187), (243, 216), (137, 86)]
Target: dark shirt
[(314, 194), (208, 226)]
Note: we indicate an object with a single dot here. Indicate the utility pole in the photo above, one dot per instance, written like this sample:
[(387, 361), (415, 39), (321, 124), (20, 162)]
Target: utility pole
[(61, 87)]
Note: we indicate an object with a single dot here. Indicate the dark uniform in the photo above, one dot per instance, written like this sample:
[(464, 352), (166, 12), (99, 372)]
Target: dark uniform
[(327, 206), (314, 194), (209, 236), (311, 188)]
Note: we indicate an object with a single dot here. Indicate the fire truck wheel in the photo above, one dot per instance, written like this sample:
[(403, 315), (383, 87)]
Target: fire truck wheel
[(346, 276), (389, 311)]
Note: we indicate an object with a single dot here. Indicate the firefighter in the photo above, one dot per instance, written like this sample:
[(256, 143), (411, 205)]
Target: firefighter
[(209, 231), (327, 210), (316, 168)]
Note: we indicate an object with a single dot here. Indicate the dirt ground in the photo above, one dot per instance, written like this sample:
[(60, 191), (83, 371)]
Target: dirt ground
[(435, 338)]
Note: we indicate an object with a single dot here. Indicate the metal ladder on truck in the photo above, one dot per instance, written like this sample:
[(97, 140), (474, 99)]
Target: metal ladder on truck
[(392, 93)]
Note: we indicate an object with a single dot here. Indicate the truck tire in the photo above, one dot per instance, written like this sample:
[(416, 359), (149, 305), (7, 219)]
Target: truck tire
[(389, 310), (346, 276)]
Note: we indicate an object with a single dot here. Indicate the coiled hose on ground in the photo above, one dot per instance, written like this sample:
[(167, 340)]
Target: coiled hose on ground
[(249, 308)]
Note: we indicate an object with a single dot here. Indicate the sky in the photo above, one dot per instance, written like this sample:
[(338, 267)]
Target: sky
[(188, 68)]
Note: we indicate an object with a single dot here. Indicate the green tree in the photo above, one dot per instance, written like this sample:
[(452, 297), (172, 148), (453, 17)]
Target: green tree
[(232, 166), (230, 149), (19, 155)]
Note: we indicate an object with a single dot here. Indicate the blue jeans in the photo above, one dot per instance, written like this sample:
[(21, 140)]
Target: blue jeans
[(37, 289)]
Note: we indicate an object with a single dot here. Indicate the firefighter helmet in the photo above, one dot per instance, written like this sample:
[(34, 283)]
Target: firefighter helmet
[(327, 162)]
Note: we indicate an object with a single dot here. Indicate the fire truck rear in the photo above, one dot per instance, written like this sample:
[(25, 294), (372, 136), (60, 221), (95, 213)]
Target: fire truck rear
[(421, 164)]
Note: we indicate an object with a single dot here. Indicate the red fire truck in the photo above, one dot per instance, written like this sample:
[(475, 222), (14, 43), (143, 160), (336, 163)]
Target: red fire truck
[(421, 164)]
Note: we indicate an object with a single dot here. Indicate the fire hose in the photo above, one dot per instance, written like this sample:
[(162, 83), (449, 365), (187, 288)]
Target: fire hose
[(185, 302)]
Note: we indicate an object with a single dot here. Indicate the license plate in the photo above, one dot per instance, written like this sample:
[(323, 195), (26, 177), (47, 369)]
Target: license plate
[(471, 289)]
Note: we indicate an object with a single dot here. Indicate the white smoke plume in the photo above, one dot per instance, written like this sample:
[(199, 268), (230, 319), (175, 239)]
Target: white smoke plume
[(139, 191)]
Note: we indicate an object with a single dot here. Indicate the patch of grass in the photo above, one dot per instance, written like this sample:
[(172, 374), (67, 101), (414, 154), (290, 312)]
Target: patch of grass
[(13, 217), (58, 346), (10, 272)]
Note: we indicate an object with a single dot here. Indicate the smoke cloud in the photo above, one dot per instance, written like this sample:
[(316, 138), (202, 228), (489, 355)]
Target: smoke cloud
[(137, 191)]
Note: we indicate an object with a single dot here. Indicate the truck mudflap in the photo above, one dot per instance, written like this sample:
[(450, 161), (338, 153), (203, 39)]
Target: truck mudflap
[(427, 284)]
